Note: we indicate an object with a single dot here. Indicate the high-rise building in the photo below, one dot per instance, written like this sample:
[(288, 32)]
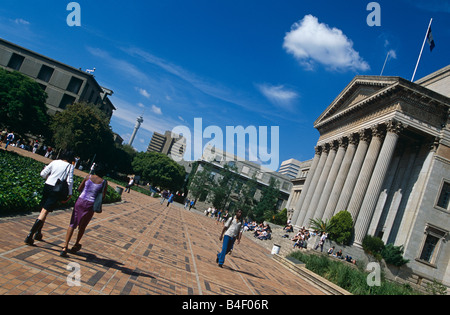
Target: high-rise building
[(168, 143), (290, 168)]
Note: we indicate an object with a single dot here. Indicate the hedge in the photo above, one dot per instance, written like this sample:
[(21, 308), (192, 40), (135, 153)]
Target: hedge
[(21, 185)]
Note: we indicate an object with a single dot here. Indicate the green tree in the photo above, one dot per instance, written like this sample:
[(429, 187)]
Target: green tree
[(159, 170), (22, 104), (199, 181), (342, 228), (123, 157), (84, 129), (246, 200), (224, 186), (266, 207)]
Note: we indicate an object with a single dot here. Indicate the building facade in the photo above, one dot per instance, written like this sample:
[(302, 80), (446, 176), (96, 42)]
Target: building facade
[(168, 144), (246, 170), (63, 84), (384, 156)]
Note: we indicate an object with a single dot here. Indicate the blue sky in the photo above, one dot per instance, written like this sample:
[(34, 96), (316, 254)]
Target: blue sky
[(231, 63)]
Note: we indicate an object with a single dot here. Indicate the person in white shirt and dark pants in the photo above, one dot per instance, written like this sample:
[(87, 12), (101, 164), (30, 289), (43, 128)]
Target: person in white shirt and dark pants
[(61, 169)]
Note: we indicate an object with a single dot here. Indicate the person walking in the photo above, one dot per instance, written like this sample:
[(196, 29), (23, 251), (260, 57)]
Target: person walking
[(170, 200), (82, 213), (61, 169), (9, 138), (130, 183), (231, 232)]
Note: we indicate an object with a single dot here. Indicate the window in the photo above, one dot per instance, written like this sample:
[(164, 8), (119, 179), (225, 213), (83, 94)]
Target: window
[(428, 248), (16, 61), (45, 74), (431, 244), (444, 196), (74, 85), (66, 100)]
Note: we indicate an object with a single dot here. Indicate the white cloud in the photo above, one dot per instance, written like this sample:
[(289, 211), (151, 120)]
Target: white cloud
[(312, 42), (141, 105), (156, 110), (143, 92), (278, 95), (21, 22), (392, 54)]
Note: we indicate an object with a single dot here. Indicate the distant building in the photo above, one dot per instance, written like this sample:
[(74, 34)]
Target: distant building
[(168, 143), (64, 84), (297, 185), (290, 168), (117, 138), (246, 170)]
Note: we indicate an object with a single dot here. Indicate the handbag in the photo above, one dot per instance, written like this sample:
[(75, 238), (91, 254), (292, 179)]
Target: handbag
[(61, 187), (99, 200)]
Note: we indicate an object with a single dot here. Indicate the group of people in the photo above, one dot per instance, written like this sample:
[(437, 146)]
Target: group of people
[(189, 203), (301, 238), (261, 231), (60, 171), (166, 194), (10, 139), (339, 255), (219, 215)]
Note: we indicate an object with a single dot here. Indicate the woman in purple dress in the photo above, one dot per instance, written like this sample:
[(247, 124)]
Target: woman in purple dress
[(90, 187)]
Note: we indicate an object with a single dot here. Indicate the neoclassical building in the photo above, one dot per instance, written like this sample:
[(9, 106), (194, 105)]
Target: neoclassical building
[(384, 156)]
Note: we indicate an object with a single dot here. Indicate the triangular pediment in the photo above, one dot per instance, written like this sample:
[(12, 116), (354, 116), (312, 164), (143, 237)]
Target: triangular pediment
[(359, 90)]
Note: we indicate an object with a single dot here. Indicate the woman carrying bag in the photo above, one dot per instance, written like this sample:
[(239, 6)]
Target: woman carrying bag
[(57, 188), (92, 188)]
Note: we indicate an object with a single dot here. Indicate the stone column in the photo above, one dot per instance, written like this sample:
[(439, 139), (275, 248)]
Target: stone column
[(353, 173), (379, 173), (299, 203), (366, 172), (330, 208), (312, 187), (331, 179), (318, 194)]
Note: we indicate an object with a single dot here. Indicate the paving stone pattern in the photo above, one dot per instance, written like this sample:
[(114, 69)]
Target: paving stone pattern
[(139, 247)]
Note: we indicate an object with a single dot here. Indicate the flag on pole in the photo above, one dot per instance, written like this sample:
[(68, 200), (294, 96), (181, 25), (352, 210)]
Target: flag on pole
[(430, 39)]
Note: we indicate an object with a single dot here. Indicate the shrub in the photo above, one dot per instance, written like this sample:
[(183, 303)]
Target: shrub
[(281, 217), (341, 228), (373, 245), (349, 278), (21, 185), (393, 255)]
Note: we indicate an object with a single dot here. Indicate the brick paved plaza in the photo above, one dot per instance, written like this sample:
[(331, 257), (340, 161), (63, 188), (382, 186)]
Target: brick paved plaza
[(140, 247)]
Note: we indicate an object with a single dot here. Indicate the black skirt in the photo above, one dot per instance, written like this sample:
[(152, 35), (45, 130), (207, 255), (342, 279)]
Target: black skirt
[(50, 199)]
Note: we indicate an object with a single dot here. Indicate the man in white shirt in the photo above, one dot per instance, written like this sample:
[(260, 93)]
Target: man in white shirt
[(233, 231)]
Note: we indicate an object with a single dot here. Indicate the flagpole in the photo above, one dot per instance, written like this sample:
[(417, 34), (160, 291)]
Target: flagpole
[(382, 70), (421, 51)]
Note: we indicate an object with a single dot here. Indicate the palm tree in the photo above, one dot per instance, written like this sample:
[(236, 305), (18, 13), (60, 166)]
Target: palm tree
[(321, 226)]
